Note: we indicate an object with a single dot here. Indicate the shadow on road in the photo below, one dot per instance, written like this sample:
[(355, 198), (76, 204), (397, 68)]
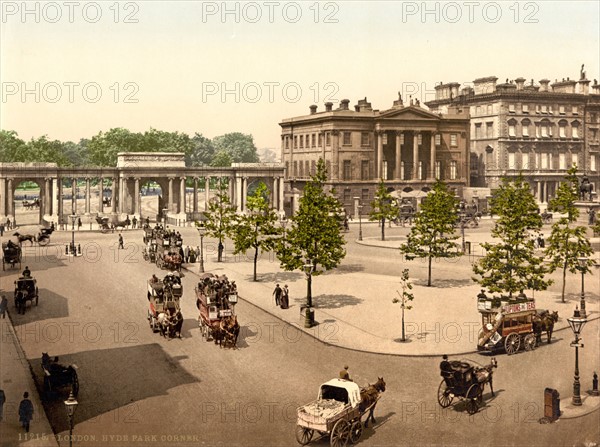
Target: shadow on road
[(50, 306), (334, 301)]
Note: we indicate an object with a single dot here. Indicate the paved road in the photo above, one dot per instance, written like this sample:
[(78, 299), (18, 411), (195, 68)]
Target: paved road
[(184, 392)]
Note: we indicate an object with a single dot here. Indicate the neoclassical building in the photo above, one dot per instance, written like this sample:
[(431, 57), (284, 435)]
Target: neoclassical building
[(406, 146), (537, 129)]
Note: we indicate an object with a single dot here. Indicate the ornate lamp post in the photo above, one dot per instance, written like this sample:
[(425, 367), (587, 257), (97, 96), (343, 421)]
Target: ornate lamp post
[(165, 211), (583, 266), (309, 315), (283, 222), (360, 238), (71, 405), (73, 249), (576, 322), (201, 232)]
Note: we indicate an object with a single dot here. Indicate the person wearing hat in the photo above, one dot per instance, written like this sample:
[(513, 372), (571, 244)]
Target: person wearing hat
[(25, 411), (445, 364), (277, 292), (27, 272), (285, 297), (344, 374)]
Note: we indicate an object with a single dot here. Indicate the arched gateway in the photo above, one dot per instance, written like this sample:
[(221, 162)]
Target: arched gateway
[(123, 183)]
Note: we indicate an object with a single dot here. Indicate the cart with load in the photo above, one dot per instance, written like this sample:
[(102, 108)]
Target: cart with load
[(464, 380), (11, 254), (149, 252), (216, 298), (164, 301), (337, 412), (58, 376), (25, 290)]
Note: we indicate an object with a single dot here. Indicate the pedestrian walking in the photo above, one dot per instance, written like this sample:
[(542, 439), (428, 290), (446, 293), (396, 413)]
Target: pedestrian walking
[(8, 227), (277, 293), (79, 224), (186, 253), (25, 411), (148, 221), (541, 241), (2, 400), (3, 306), (1, 229), (134, 222), (285, 297), (121, 242)]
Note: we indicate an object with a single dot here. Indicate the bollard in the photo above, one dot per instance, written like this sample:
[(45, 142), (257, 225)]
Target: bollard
[(551, 404), (67, 249), (594, 391), (78, 249)]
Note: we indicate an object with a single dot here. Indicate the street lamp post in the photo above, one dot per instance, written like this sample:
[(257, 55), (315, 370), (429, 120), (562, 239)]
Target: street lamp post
[(73, 248), (165, 211), (576, 322), (309, 315), (360, 238), (583, 264), (462, 232), (201, 232), (283, 222), (71, 405)]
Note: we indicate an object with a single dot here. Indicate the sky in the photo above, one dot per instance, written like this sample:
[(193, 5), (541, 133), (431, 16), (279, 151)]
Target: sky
[(71, 69)]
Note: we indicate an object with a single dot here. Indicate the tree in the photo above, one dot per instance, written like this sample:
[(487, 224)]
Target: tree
[(567, 243), (314, 235), (258, 229), (511, 265), (405, 297), (44, 150), (203, 151), (234, 147), (383, 207), (432, 235), (220, 216), (12, 148), (103, 148)]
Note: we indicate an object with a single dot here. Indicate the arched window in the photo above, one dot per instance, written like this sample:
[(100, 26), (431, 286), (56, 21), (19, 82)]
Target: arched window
[(575, 129), (525, 127), (562, 128), (512, 127)]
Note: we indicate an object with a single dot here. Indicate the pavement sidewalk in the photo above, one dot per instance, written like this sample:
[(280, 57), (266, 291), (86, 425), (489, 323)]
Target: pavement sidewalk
[(15, 379)]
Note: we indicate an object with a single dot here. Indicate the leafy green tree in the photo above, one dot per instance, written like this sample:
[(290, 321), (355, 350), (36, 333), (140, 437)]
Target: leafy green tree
[(512, 265), (103, 148), (203, 151), (432, 235), (314, 235), (220, 217), (43, 150), (568, 242), (258, 228), (234, 147), (405, 297), (383, 207), (12, 148)]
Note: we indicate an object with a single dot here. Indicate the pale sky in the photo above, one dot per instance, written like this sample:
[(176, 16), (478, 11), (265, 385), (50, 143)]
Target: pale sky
[(194, 67)]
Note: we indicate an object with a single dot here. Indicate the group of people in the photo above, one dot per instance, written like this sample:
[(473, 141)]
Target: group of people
[(217, 288), (282, 296)]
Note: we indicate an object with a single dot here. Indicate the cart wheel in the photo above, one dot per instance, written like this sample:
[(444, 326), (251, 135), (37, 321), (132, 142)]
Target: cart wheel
[(153, 324), (340, 434), (37, 299), (472, 406), (75, 385), (444, 396), (356, 430), (303, 435), (474, 397), (530, 342), (512, 343), (44, 241)]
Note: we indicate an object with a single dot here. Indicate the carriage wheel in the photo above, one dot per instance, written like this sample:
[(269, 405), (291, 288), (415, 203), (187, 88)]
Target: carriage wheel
[(44, 241), (530, 342), (444, 396), (472, 406), (512, 343), (340, 434), (3, 265), (47, 385), (303, 435), (104, 230), (356, 430), (75, 384), (153, 324)]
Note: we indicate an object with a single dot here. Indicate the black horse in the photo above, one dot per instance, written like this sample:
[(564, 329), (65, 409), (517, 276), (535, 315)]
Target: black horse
[(369, 397), (57, 375)]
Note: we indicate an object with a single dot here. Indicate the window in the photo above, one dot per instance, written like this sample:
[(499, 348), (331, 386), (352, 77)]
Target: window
[(512, 128), (525, 128), (593, 166), (562, 163), (314, 140), (419, 139), (538, 108), (544, 108), (489, 109), (364, 170), (574, 159), (525, 108), (319, 139), (561, 110), (364, 139), (453, 173), (296, 142), (489, 130), (453, 141), (287, 142), (511, 161), (295, 169), (307, 168), (544, 130), (594, 135), (347, 195), (438, 169), (364, 195), (575, 111), (327, 138), (525, 160), (544, 160), (313, 167), (301, 171), (511, 108), (478, 110), (478, 131), (438, 139), (562, 133), (384, 169), (575, 130), (347, 170), (420, 170), (384, 139), (328, 167), (301, 141), (347, 138)]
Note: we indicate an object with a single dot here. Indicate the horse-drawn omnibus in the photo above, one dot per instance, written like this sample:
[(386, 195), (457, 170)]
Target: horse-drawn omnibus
[(164, 300), (216, 298), (337, 412)]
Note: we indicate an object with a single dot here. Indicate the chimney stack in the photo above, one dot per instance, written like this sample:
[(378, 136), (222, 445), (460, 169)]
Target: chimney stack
[(520, 83), (328, 106), (544, 85), (344, 104), (313, 109)]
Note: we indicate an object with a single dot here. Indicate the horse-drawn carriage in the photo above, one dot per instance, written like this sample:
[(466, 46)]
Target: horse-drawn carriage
[(103, 224), (338, 411), (167, 253), (150, 234), (465, 381), (11, 254), (58, 376), (149, 252), (216, 298), (25, 290), (510, 325), (164, 313), (29, 205), (406, 211), (468, 215)]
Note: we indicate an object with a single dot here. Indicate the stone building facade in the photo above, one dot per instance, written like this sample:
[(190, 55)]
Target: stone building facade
[(406, 146), (537, 129)]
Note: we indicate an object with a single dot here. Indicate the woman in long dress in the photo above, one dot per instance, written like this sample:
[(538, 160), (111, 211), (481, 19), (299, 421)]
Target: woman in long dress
[(285, 297)]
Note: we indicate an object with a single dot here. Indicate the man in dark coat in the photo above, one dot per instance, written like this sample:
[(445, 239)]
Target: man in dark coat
[(344, 374), (277, 292), (25, 411)]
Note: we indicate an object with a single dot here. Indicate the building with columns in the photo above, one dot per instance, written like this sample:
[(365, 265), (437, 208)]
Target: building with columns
[(133, 170), (537, 129), (406, 146)]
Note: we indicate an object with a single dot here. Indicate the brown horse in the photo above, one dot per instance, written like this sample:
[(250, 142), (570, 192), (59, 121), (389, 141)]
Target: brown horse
[(228, 332), (24, 237), (544, 322), (369, 397)]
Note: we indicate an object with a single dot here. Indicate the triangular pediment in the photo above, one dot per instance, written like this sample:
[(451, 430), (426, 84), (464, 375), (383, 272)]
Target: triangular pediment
[(409, 113)]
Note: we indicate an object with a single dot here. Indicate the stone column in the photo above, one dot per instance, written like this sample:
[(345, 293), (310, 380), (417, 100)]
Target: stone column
[(195, 196), (415, 173), (379, 154), (539, 191), (2, 197), (545, 192), (432, 157), (59, 193), (47, 197), (244, 192), (231, 189), (206, 192), (100, 195), (274, 194), (87, 196), (335, 155), (170, 199), (182, 195), (238, 193), (137, 208), (281, 194), (10, 205), (398, 172), (73, 196)]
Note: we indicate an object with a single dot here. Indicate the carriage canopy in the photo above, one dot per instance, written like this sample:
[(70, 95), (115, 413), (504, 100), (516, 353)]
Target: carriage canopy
[(342, 391)]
